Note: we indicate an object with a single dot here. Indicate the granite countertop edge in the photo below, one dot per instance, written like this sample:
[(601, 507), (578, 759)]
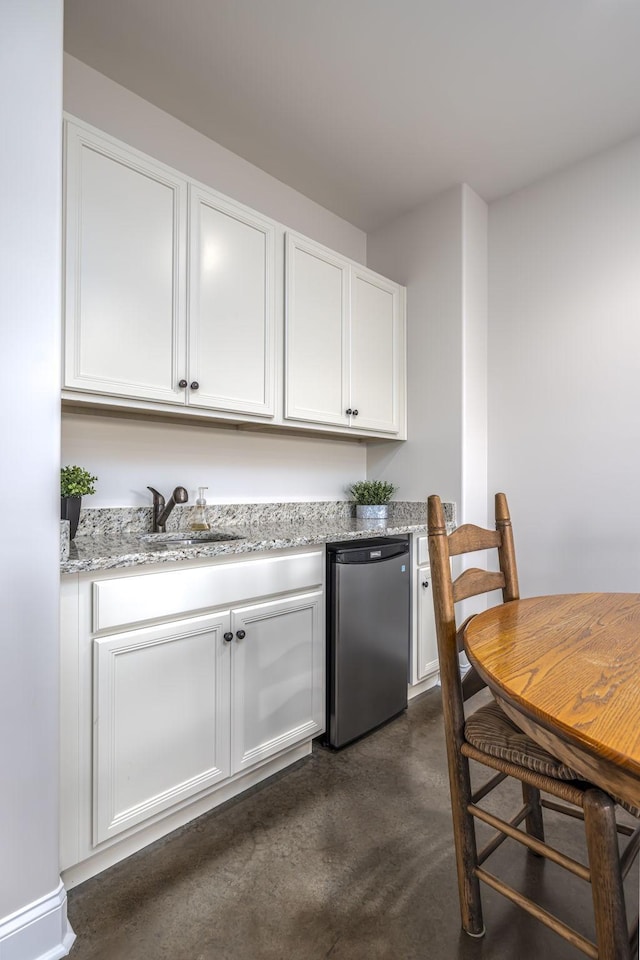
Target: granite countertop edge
[(97, 553)]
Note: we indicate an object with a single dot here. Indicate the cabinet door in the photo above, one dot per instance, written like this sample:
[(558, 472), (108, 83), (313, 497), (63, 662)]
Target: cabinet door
[(277, 677), (161, 719), (125, 303), (377, 353), (427, 644), (317, 341), (231, 306)]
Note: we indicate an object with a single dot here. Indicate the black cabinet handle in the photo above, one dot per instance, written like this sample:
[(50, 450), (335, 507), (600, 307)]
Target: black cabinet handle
[(349, 412), (425, 583), (195, 385), (228, 637), (182, 384), (240, 634), (355, 413)]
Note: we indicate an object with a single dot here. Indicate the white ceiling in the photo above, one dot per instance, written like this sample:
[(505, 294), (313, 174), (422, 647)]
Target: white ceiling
[(371, 106)]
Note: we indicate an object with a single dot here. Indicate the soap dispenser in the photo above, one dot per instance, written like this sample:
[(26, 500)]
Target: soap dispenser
[(199, 521)]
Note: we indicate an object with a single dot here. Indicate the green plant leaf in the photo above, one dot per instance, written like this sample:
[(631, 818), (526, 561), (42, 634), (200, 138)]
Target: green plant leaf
[(76, 482), (372, 492)]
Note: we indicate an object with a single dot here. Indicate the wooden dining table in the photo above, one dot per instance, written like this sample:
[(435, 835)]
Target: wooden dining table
[(566, 669)]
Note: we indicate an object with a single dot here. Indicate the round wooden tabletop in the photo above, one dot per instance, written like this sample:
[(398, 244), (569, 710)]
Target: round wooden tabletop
[(569, 666)]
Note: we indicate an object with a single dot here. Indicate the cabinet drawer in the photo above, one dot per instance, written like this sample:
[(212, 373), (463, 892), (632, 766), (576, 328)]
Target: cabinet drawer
[(129, 600)]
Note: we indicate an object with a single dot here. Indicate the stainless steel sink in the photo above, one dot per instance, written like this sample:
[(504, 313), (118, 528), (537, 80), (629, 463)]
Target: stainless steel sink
[(189, 539)]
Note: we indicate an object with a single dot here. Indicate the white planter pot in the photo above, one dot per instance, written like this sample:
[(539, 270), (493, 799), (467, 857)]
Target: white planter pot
[(378, 512)]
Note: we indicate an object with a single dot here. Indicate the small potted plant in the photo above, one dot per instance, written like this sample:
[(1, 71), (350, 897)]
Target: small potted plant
[(372, 498), (75, 483)]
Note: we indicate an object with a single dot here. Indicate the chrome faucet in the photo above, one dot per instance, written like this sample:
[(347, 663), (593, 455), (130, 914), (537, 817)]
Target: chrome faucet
[(161, 510)]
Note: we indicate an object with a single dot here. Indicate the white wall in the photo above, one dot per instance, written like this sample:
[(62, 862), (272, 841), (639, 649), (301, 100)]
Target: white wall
[(422, 250), (474, 359), (30, 178), (238, 467), (564, 373), (439, 252)]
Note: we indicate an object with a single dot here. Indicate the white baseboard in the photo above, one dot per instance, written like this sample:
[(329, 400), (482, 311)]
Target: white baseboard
[(38, 931)]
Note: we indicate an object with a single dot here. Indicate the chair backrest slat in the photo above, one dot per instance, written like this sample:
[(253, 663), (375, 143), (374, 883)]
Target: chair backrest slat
[(468, 538), (473, 582)]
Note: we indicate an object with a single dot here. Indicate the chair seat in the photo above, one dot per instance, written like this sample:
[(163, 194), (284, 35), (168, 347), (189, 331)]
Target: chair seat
[(489, 729)]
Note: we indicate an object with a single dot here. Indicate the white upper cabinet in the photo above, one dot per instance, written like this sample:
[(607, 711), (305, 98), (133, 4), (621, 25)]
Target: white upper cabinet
[(377, 352), (174, 302), (317, 347), (345, 342), (131, 332), (125, 306), (231, 306)]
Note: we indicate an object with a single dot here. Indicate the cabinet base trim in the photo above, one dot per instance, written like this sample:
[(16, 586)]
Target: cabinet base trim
[(128, 818), (122, 849), (310, 729), (38, 931), (415, 689)]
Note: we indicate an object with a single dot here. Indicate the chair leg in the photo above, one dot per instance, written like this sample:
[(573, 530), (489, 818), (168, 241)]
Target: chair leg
[(606, 879), (534, 822), (464, 836)]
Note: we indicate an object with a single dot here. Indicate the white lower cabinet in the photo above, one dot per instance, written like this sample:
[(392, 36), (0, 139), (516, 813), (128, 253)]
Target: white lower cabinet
[(160, 718), (277, 684), (425, 644), (171, 718)]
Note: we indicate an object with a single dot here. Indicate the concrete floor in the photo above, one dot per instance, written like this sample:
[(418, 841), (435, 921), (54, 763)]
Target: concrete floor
[(346, 856)]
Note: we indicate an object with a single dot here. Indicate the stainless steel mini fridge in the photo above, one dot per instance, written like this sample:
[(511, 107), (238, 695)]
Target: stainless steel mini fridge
[(368, 616)]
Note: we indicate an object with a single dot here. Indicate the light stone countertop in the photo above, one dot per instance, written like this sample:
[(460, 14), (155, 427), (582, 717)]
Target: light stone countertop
[(110, 552), (118, 537)]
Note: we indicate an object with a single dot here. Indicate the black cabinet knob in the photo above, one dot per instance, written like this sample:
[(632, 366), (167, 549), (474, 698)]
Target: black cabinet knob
[(182, 384), (425, 583), (195, 385), (349, 412), (240, 634), (228, 637), (355, 413)]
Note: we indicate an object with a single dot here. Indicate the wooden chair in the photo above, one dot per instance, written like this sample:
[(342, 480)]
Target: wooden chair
[(491, 738)]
